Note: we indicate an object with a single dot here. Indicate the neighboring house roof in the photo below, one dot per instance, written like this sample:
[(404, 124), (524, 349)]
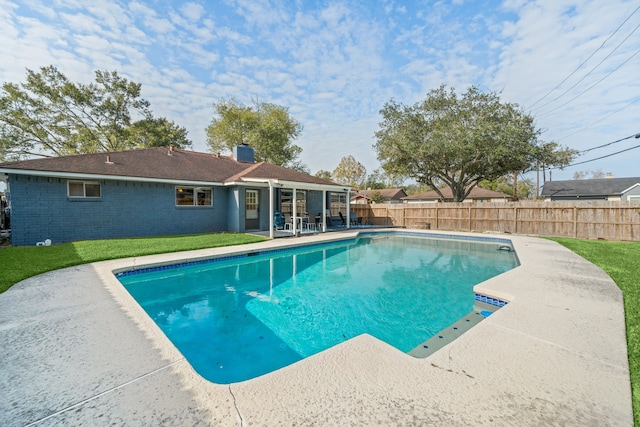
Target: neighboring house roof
[(476, 193), (589, 187), (386, 193), (158, 164)]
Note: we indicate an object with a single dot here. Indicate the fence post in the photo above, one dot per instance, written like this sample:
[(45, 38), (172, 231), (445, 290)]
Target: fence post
[(437, 216), (470, 229), (575, 222)]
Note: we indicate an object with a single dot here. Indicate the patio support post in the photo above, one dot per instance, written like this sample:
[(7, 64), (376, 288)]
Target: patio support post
[(294, 215), (271, 203), (348, 203), (324, 211)]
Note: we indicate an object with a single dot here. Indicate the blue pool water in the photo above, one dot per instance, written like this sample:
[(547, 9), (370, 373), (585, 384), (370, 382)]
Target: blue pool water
[(240, 318)]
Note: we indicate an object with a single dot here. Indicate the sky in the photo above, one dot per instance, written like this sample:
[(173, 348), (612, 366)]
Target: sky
[(574, 65)]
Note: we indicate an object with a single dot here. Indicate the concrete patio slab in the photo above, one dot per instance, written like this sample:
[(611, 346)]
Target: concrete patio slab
[(76, 349)]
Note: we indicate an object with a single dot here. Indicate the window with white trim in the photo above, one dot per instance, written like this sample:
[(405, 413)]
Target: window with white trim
[(84, 189), (194, 196)]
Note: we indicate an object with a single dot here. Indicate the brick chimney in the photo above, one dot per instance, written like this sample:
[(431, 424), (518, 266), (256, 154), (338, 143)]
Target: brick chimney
[(243, 153)]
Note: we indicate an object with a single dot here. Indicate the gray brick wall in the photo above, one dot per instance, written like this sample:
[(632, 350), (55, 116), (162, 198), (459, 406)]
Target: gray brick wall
[(41, 210)]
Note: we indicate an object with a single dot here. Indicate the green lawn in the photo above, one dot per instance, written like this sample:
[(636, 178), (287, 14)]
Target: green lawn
[(621, 261), (21, 262)]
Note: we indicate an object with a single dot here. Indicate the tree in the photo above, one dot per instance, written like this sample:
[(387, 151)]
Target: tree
[(323, 174), (268, 128), (595, 174), (50, 115), (379, 179), (158, 132), (350, 172), (376, 180), (504, 184), (417, 188), (376, 197), (456, 141), (551, 154)]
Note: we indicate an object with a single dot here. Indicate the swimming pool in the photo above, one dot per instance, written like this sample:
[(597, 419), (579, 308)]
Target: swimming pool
[(240, 317)]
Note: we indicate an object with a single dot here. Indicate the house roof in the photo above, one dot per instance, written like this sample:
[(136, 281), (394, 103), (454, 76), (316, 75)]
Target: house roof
[(265, 170), (158, 164), (386, 193), (588, 187), (476, 193)]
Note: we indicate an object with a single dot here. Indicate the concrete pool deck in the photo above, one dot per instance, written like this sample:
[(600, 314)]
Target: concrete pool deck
[(75, 349)]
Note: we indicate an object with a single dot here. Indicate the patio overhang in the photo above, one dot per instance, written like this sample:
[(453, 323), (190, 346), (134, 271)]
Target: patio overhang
[(280, 183)]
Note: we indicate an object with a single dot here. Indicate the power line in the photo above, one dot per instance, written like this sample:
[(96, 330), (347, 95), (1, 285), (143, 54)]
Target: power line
[(591, 71), (599, 120), (586, 60), (592, 86), (637, 135), (605, 156)]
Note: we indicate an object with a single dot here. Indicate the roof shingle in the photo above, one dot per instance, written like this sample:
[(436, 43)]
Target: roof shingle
[(588, 187), (162, 164)]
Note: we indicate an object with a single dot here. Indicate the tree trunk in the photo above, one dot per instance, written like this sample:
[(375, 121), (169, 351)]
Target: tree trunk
[(515, 185), (458, 193)]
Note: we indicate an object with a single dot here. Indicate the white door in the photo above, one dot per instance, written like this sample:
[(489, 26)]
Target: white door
[(252, 217)]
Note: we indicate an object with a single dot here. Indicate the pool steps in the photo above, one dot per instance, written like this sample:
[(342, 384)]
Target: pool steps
[(481, 310)]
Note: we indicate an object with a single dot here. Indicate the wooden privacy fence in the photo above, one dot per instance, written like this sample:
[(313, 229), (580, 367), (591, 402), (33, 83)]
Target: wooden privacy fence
[(583, 220)]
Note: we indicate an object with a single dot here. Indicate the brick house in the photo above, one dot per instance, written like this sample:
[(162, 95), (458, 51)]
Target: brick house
[(157, 191)]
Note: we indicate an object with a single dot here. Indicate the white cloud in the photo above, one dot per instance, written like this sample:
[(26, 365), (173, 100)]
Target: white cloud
[(150, 18), (549, 41), (335, 64), (192, 11)]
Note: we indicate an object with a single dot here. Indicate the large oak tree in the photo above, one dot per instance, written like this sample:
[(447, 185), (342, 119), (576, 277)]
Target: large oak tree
[(50, 115), (458, 141)]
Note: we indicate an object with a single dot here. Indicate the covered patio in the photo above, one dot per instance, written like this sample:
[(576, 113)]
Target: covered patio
[(301, 220)]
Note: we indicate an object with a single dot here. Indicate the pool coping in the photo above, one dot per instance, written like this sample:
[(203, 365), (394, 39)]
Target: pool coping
[(556, 354)]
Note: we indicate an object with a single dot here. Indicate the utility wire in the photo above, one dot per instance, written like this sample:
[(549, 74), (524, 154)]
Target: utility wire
[(592, 86), (586, 60), (602, 157), (590, 71), (599, 120), (637, 135)]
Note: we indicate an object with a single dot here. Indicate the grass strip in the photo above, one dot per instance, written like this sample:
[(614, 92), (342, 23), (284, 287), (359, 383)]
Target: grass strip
[(21, 262), (621, 261)]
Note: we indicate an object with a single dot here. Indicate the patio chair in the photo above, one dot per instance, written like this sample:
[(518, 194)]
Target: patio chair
[(288, 221), (278, 220), (344, 221)]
